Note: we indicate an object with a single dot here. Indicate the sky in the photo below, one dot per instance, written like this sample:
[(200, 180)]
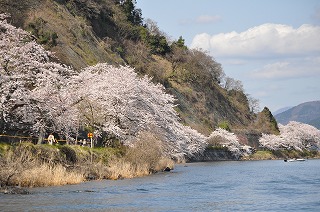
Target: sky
[(271, 46)]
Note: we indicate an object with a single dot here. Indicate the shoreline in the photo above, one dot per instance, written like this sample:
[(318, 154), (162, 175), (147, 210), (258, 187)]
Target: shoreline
[(13, 190), (28, 165)]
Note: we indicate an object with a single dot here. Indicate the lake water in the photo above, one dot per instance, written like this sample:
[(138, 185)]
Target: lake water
[(213, 186)]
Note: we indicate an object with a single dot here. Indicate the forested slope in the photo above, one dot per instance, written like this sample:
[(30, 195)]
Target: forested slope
[(86, 32)]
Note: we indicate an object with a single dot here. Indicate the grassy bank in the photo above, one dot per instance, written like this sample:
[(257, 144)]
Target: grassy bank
[(29, 165), (282, 154)]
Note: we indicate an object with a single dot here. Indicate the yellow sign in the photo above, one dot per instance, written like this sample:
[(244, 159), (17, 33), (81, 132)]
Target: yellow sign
[(90, 135)]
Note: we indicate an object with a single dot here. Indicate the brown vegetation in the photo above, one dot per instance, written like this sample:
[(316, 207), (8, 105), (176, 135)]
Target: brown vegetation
[(144, 158), (31, 165)]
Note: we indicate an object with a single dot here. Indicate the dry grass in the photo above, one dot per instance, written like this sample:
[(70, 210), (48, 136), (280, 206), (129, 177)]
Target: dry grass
[(144, 158), (164, 163), (45, 175), (123, 169), (31, 165)]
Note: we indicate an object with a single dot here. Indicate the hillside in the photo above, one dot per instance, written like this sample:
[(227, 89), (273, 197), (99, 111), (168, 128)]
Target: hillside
[(83, 33), (308, 112)]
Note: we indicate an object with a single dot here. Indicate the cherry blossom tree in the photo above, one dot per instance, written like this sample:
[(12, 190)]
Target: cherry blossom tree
[(30, 84), (114, 100), (294, 135), (272, 142), (39, 96), (230, 141)]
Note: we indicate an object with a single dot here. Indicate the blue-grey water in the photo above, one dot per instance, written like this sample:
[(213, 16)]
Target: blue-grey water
[(213, 186)]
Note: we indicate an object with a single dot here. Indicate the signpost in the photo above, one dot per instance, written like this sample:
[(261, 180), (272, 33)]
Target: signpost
[(90, 135)]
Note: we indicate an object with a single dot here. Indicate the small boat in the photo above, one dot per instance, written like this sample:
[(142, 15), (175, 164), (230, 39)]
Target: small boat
[(294, 160)]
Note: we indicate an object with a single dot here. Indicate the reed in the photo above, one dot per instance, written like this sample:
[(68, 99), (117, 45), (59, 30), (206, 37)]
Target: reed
[(163, 163), (144, 158), (45, 175), (120, 169), (31, 165)]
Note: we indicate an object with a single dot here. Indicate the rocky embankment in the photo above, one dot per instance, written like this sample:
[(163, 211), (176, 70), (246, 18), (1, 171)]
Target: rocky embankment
[(213, 155)]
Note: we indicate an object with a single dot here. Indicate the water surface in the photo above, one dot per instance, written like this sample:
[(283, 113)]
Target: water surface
[(212, 186)]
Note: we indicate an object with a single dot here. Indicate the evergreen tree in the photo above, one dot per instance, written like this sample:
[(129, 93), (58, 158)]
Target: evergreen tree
[(266, 122), (133, 15)]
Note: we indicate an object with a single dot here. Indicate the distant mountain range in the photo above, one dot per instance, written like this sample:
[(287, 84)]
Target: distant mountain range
[(281, 110), (308, 112)]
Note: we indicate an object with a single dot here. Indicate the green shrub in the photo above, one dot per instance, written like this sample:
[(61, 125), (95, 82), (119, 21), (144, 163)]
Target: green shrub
[(40, 31), (224, 125)]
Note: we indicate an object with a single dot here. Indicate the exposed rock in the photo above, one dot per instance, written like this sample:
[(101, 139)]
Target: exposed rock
[(13, 190), (213, 155), (167, 169)]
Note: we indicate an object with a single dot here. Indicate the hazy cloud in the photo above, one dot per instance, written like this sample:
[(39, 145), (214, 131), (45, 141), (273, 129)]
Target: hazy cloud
[(262, 41), (235, 61), (297, 68), (207, 19), (203, 19)]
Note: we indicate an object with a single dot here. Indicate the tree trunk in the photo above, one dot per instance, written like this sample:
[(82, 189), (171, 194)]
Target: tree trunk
[(41, 135)]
